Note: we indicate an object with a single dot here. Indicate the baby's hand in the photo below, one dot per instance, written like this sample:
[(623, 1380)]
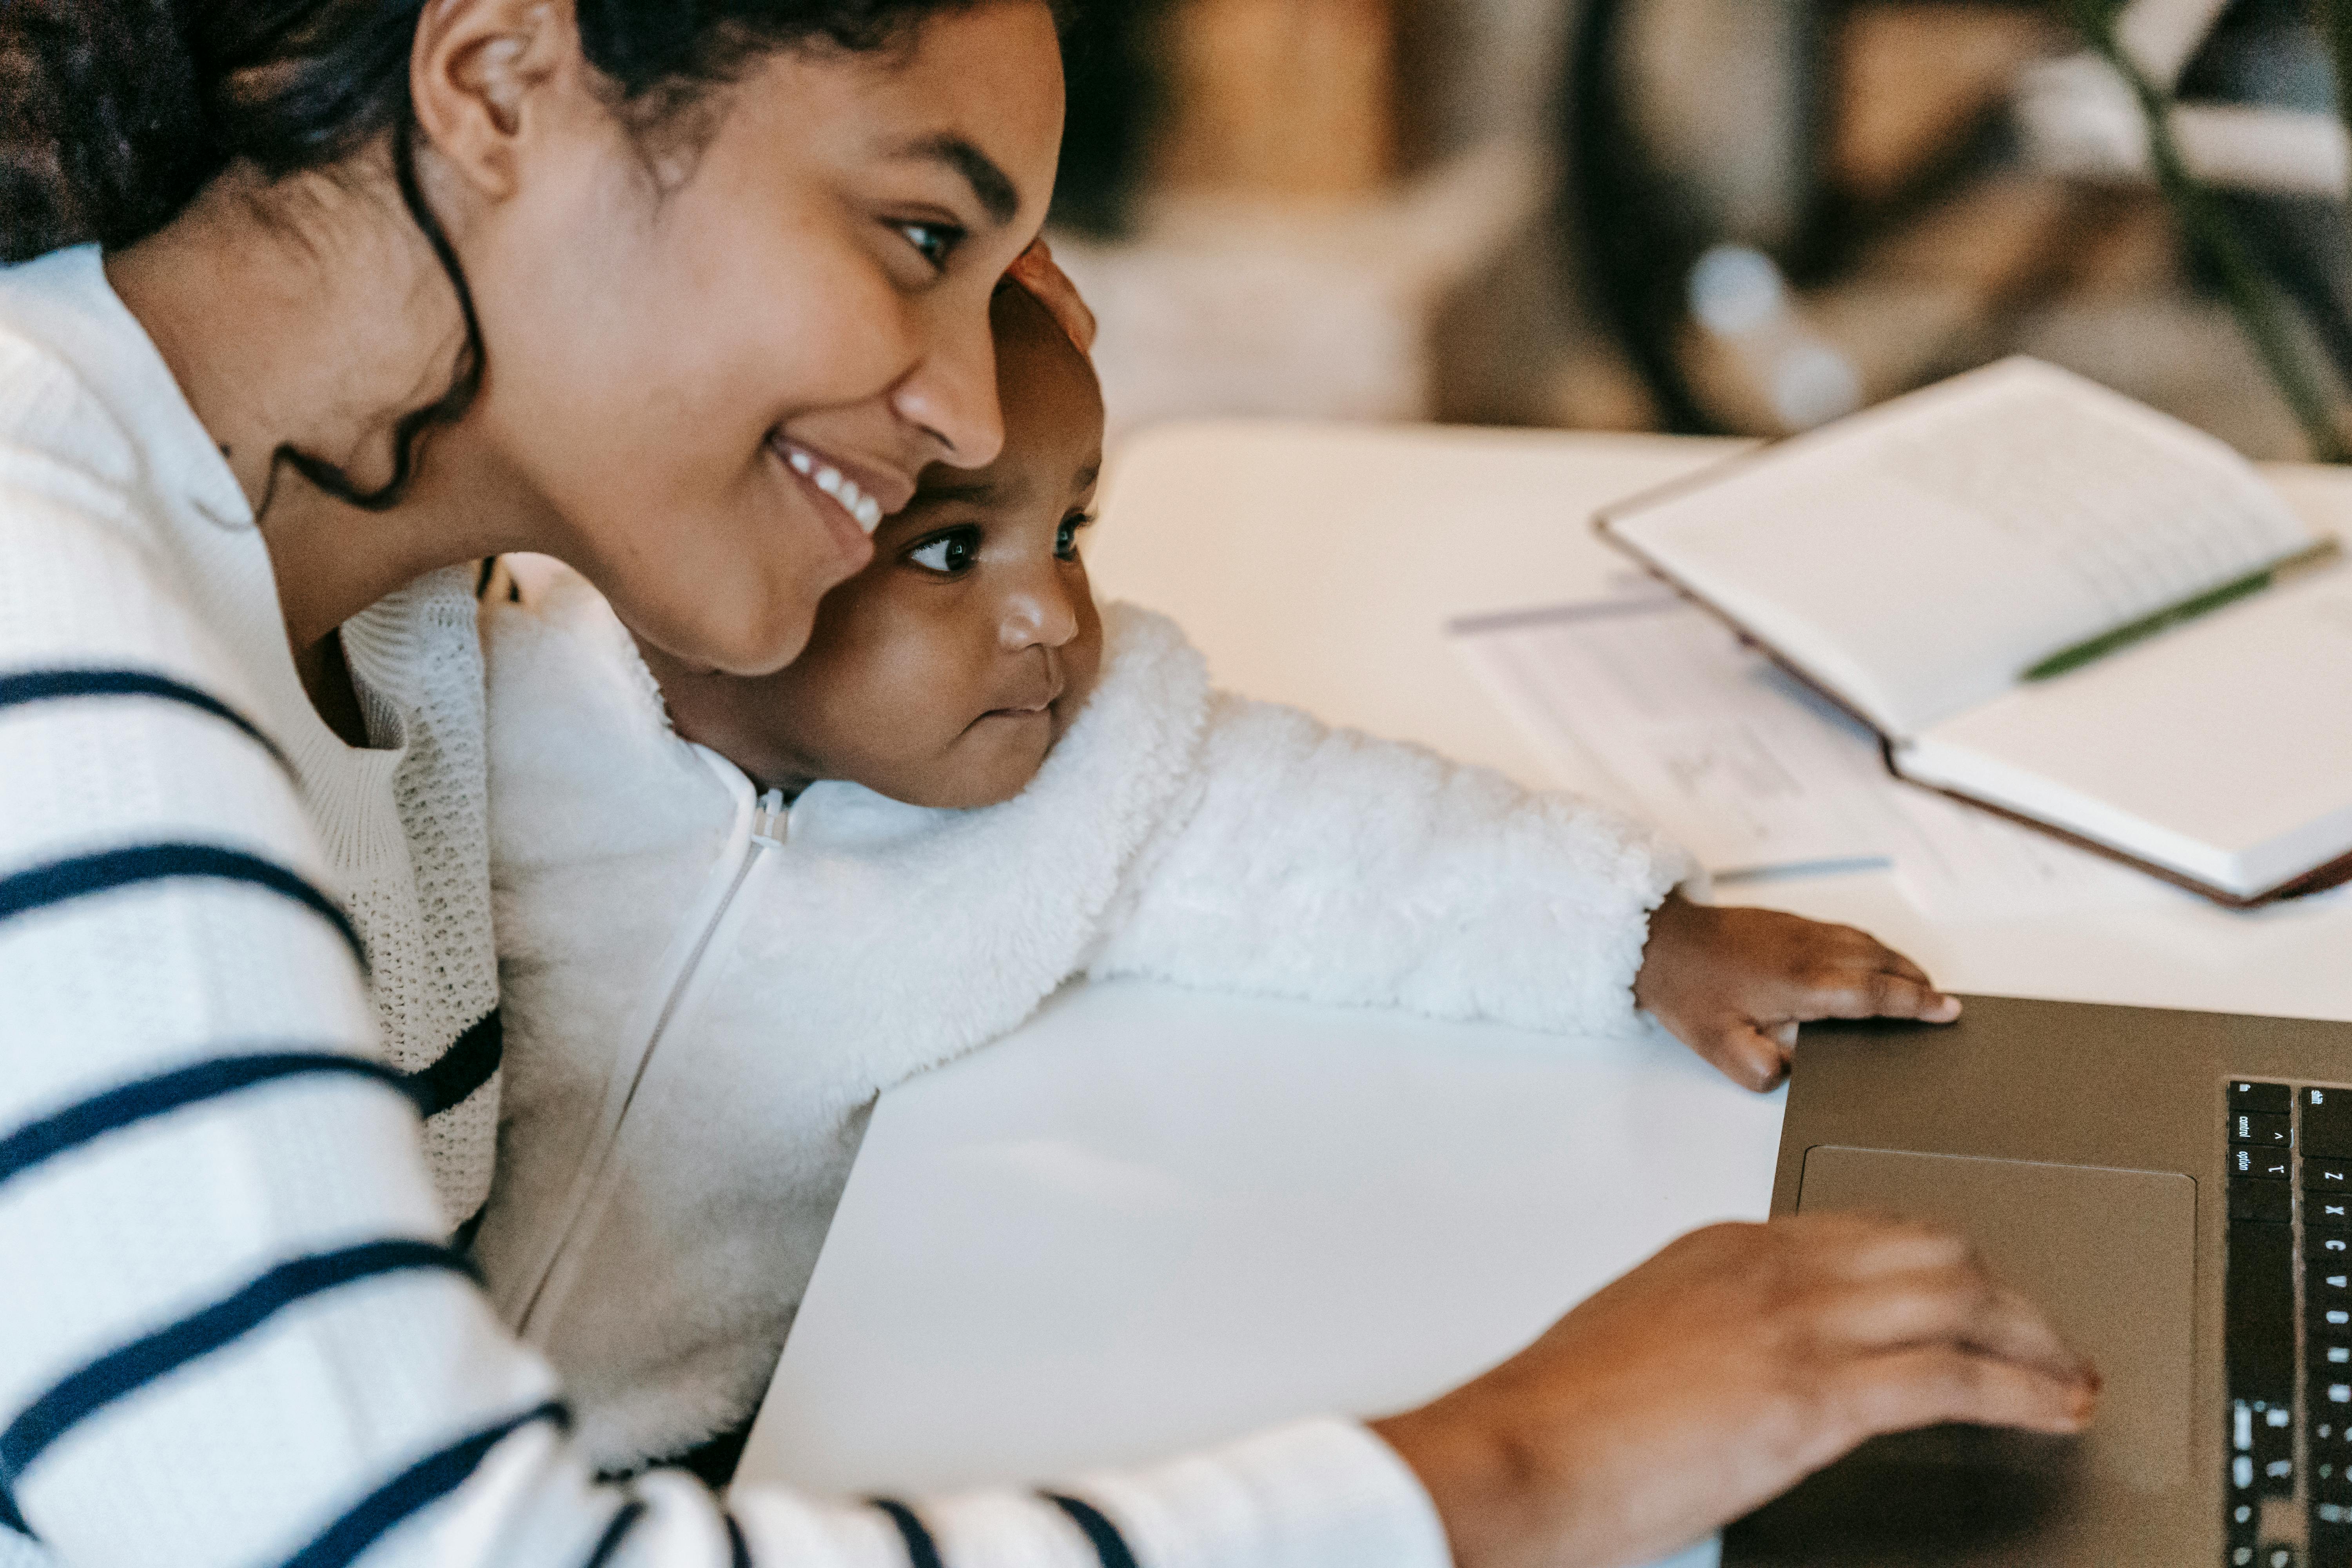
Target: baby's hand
[(1732, 984)]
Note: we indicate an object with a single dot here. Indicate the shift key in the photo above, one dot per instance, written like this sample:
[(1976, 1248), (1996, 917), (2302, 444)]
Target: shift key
[(2328, 1121)]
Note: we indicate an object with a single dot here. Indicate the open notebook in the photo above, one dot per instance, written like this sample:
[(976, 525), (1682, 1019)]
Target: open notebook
[(1974, 571)]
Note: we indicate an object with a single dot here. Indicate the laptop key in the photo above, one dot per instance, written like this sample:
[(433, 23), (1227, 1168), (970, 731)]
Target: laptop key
[(2266, 1165), (2270, 1098), (2321, 1209), (2328, 1121), (2274, 1451), (2259, 1301), (2264, 1203), (2318, 1175), (2262, 1132), (2325, 1244)]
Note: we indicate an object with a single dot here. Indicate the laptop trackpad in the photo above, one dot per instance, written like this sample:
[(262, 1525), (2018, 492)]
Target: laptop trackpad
[(2111, 1255)]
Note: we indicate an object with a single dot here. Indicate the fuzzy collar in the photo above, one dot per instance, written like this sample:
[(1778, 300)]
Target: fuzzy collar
[(889, 937)]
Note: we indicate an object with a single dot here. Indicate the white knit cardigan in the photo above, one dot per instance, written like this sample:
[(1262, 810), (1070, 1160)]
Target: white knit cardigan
[(703, 998), (231, 1332)]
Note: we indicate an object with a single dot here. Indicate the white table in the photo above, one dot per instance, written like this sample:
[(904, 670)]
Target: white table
[(1317, 565), (1150, 1219)]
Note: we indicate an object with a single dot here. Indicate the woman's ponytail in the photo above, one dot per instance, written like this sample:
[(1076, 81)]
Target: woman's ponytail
[(102, 132)]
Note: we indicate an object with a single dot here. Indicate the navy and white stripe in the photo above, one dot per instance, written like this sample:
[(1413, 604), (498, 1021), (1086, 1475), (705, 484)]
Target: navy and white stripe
[(28, 687), (615, 1532), (415, 1489), (122, 1373), (922, 1550), (132, 1103), (54, 882), (1095, 1526), (471, 1062)]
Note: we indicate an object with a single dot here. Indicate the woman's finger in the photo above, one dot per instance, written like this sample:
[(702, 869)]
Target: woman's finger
[(1928, 1386), (1958, 1305), (1036, 270), (1854, 1246)]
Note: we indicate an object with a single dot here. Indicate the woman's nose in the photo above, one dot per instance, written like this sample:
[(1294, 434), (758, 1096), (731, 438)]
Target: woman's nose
[(1039, 612), (951, 395)]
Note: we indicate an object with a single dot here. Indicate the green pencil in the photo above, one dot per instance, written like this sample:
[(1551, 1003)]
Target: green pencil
[(2212, 599)]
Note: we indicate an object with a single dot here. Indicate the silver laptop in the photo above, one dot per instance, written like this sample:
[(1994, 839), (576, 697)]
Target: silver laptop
[(2176, 1188)]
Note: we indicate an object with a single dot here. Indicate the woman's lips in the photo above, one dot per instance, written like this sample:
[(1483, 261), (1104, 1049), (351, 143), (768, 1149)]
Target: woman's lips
[(865, 495)]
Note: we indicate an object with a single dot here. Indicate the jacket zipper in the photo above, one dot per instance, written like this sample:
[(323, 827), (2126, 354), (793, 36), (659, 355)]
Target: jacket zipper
[(771, 822), (770, 819)]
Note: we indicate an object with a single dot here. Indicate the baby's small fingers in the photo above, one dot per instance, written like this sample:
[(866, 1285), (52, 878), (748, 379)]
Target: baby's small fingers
[(1752, 1057), (1876, 993)]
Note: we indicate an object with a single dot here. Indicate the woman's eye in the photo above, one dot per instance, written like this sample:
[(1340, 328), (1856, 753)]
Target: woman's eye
[(1066, 543), (934, 242), (949, 553)]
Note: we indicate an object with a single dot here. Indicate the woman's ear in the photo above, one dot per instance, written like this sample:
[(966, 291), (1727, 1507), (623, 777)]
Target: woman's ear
[(486, 77)]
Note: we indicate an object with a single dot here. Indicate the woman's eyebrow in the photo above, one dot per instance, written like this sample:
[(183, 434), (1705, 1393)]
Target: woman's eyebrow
[(995, 190)]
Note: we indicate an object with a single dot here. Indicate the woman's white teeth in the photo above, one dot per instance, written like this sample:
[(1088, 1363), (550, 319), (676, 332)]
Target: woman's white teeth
[(845, 490)]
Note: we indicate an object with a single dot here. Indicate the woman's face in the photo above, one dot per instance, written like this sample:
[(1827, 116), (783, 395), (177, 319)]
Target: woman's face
[(675, 361)]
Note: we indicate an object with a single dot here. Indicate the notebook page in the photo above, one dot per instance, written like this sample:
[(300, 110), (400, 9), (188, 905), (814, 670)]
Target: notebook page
[(1918, 558), (1656, 707), (2224, 750)]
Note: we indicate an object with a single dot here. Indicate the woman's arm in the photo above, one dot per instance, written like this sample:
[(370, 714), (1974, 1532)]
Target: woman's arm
[(233, 1331), (233, 1336), (1324, 863)]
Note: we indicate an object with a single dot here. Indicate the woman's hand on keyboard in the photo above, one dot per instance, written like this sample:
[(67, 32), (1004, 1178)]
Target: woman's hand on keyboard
[(1734, 983), (1716, 1375)]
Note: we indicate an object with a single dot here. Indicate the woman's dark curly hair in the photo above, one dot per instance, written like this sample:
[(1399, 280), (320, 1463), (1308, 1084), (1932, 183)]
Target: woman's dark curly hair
[(114, 113)]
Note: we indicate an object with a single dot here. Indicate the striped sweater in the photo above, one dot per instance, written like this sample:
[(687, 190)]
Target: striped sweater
[(248, 1084)]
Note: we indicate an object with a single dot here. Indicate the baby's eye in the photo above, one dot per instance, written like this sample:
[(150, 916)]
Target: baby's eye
[(1066, 543), (934, 242), (949, 553)]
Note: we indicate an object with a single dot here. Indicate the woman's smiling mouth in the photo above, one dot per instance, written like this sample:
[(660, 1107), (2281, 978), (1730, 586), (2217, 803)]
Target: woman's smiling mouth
[(857, 496)]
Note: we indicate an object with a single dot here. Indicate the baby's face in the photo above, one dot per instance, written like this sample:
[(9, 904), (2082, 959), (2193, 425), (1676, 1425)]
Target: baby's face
[(943, 673)]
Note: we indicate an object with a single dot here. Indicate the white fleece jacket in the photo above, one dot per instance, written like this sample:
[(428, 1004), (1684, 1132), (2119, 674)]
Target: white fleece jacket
[(703, 995)]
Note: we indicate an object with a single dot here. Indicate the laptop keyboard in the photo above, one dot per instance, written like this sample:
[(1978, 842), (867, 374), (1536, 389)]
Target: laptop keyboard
[(2288, 1295)]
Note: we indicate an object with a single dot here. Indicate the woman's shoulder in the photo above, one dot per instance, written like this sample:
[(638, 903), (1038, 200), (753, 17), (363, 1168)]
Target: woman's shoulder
[(47, 407), (88, 405)]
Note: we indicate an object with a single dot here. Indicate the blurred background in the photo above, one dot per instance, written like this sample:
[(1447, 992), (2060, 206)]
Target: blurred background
[(1707, 216)]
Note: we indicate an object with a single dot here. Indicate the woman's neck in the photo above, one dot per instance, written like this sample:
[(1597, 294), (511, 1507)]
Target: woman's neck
[(313, 315)]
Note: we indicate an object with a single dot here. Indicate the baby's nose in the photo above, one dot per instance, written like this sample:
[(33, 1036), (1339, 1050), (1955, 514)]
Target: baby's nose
[(1040, 613)]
